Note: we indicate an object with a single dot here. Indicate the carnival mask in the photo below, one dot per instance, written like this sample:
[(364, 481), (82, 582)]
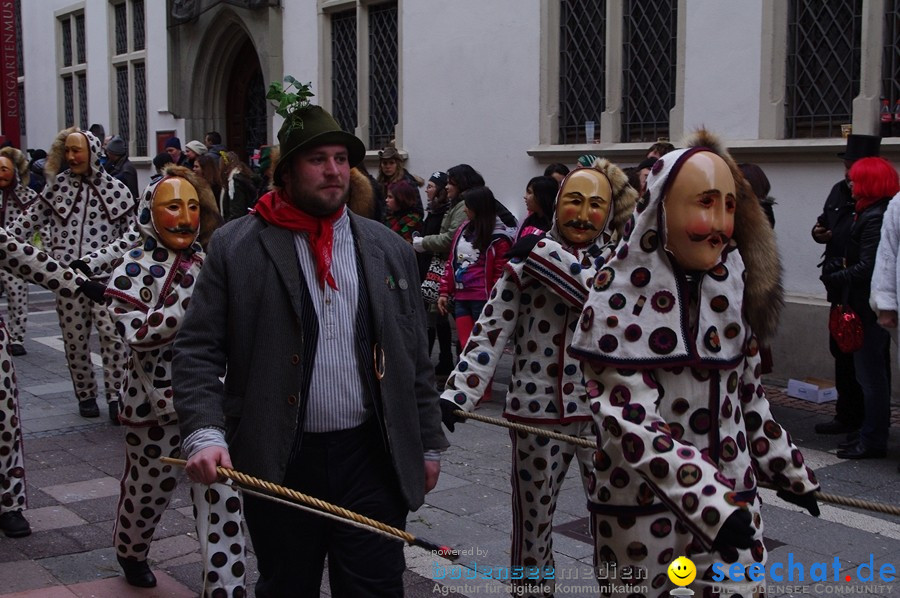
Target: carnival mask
[(583, 205), (176, 213), (7, 173), (78, 154), (699, 211)]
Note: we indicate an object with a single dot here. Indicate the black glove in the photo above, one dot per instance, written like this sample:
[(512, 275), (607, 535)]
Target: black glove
[(806, 501), (93, 291), (736, 532), (80, 266), (450, 414)]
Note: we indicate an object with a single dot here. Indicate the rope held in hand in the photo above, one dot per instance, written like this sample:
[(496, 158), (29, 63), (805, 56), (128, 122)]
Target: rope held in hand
[(324, 508), (836, 499)]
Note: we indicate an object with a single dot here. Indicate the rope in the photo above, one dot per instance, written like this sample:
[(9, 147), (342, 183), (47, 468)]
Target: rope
[(835, 499), (321, 506)]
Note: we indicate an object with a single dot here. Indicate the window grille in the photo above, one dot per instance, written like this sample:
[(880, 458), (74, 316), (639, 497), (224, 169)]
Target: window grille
[(79, 38), (343, 69), (82, 100), (582, 72), (121, 18), (140, 109), (122, 122), (823, 66), (68, 101), (67, 42), (382, 73), (648, 77), (890, 65), (137, 25)]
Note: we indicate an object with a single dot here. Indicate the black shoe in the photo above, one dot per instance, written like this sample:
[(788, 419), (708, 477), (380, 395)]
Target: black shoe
[(113, 407), (833, 427), (88, 408), (848, 444), (17, 350), (14, 524), (137, 573), (861, 452)]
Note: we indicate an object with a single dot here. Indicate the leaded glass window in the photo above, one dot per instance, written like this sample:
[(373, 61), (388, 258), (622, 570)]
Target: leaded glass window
[(343, 69), (137, 24), (122, 102), (67, 41), (140, 109), (121, 28), (79, 38), (823, 66), (69, 102), (82, 99), (382, 74), (648, 62), (582, 79), (73, 70)]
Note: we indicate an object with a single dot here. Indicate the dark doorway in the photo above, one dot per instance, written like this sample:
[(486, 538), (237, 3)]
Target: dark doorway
[(245, 105)]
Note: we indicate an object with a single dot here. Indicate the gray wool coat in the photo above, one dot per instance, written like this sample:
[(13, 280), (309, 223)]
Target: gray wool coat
[(244, 318)]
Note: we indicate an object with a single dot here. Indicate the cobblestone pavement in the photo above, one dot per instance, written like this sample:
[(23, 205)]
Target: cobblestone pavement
[(73, 466)]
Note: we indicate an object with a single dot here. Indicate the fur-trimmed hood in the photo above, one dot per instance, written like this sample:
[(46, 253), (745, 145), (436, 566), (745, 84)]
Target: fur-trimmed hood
[(361, 200), (763, 292), (639, 312)]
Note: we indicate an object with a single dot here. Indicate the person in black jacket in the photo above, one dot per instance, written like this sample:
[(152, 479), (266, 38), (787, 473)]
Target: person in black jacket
[(832, 229), (873, 182), (120, 167)]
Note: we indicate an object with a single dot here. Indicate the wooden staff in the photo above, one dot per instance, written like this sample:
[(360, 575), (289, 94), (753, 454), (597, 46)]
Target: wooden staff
[(836, 499), (325, 509)]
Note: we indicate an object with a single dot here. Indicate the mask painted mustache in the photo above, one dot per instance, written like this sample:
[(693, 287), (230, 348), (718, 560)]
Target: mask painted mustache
[(181, 230), (581, 224), (713, 237)]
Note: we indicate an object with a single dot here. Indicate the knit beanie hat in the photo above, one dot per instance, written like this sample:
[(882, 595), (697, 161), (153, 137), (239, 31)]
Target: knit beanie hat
[(173, 142), (439, 178), (196, 147), (116, 146)]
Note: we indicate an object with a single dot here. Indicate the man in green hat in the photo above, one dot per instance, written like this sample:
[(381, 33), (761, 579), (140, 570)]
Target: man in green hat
[(314, 318)]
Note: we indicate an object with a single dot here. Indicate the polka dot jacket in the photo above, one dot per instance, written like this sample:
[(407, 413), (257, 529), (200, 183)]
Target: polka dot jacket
[(148, 294), (77, 215), (546, 385)]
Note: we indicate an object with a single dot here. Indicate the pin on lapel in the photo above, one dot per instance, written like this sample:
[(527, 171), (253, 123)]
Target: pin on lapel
[(390, 282)]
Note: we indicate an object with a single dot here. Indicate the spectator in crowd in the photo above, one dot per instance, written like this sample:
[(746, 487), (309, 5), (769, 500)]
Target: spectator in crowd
[(832, 229), (759, 182), (36, 170), (173, 148), (208, 167), (540, 203), (391, 169), (438, 324), (476, 260), (659, 149), (557, 170), (193, 149), (119, 166), (213, 141), (873, 182), (238, 187), (404, 210)]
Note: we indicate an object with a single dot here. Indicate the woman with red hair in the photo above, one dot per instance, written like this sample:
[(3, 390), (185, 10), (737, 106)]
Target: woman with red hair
[(873, 182)]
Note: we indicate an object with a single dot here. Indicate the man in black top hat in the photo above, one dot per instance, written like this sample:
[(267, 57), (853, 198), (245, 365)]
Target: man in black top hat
[(832, 229)]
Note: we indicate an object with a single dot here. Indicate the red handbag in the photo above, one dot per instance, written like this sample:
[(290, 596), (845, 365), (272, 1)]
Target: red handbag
[(845, 328)]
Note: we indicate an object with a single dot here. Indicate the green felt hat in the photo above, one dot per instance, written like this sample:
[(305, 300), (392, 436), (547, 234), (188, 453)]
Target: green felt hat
[(317, 128)]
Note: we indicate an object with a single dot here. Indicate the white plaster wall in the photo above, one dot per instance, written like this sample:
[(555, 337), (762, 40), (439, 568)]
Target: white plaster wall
[(39, 42), (470, 92), (800, 190), (301, 47), (722, 66)]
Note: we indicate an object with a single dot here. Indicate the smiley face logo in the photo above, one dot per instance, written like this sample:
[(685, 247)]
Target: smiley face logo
[(682, 571)]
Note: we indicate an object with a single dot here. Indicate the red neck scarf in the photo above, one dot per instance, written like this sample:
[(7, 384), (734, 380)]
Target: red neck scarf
[(275, 209)]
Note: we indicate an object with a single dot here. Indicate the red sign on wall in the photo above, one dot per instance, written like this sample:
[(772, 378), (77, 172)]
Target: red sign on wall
[(10, 110)]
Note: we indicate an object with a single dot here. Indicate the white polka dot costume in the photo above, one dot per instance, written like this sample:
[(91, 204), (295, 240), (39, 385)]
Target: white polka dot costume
[(77, 215), (16, 199), (684, 426), (546, 387), (26, 263), (148, 294)]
